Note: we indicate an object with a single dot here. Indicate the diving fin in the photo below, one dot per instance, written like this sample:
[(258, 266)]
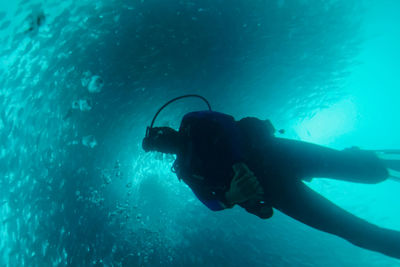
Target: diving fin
[(391, 158), (395, 178), (387, 151)]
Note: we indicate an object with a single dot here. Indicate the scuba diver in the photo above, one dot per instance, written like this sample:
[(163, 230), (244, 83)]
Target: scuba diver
[(35, 22), (227, 162)]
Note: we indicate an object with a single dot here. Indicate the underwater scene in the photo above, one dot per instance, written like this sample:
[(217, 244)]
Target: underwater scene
[(80, 81)]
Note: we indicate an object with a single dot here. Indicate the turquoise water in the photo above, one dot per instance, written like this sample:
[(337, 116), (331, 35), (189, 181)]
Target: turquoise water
[(78, 89)]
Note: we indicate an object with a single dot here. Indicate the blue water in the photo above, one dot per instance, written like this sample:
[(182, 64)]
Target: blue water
[(78, 88)]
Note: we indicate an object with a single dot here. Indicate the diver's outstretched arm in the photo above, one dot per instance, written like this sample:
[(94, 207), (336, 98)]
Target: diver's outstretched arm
[(303, 204)]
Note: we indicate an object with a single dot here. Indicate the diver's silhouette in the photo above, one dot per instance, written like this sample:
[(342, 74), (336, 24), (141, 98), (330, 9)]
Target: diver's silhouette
[(36, 21), (227, 162)]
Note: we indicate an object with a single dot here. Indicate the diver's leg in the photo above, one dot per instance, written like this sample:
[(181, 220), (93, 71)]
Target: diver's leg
[(306, 160), (303, 204)]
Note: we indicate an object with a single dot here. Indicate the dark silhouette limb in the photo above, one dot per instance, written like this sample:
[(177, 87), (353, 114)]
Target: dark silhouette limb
[(297, 159), (303, 204)]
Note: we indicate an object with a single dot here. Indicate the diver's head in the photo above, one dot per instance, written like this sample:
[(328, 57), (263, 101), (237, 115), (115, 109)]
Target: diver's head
[(162, 139)]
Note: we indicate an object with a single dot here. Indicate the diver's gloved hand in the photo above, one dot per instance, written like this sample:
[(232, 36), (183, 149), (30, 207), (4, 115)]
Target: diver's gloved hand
[(244, 186), (260, 208)]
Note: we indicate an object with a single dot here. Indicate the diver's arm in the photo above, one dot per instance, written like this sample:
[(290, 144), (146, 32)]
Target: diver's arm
[(244, 186), (211, 201), (244, 190), (261, 208)]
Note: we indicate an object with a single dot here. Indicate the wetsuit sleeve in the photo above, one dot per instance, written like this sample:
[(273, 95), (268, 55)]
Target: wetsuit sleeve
[(214, 200), (212, 204)]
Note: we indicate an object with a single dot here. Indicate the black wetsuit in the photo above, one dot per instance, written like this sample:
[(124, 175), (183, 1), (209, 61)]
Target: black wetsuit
[(215, 141)]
